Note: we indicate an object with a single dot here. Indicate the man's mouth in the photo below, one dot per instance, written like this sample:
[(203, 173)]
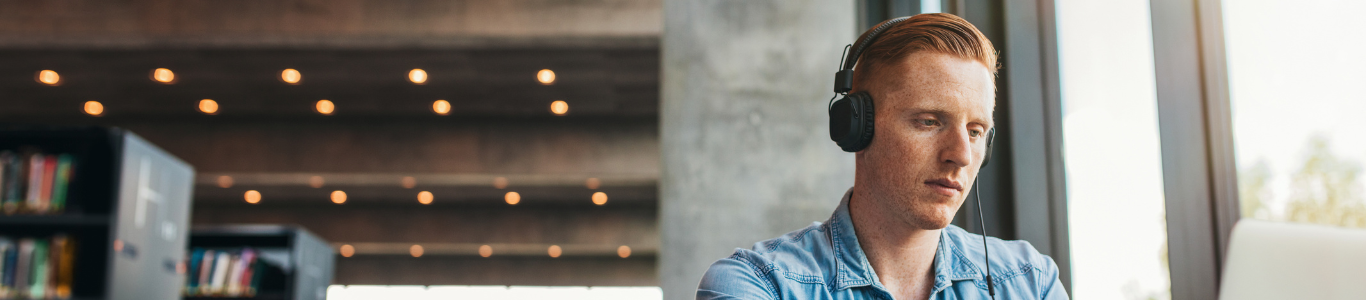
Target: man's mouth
[(945, 186)]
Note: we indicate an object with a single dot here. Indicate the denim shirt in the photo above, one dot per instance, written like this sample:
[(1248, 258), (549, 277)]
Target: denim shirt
[(824, 261)]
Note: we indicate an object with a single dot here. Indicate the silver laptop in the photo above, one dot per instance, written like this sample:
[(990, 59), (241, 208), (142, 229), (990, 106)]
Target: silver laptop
[(1269, 260)]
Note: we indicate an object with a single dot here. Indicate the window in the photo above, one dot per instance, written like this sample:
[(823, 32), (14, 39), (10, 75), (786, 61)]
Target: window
[(1295, 84), (1116, 207)]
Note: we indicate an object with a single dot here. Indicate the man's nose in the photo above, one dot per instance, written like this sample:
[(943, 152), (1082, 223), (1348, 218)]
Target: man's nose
[(956, 148)]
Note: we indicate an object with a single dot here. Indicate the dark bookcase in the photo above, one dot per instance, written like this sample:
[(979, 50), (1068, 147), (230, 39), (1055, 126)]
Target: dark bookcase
[(126, 210), (295, 263)]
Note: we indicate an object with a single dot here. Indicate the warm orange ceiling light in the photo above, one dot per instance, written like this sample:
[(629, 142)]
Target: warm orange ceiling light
[(408, 182), (325, 107), (417, 76), (163, 75), (208, 106), (415, 250), (559, 107), (485, 251), (599, 198), (291, 76), (94, 108), (554, 251), (338, 197), (225, 181), (49, 77), (624, 251), (347, 250), (592, 183), (441, 107), (252, 196), (512, 198), (546, 76), (424, 197), (500, 182), (315, 181)]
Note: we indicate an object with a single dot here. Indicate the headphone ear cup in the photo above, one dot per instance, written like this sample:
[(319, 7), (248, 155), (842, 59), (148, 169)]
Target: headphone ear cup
[(991, 138), (865, 121), (841, 122), (851, 122)]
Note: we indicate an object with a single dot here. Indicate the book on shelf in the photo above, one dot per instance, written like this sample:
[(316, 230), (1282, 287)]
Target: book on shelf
[(223, 272), (36, 268), (35, 183)]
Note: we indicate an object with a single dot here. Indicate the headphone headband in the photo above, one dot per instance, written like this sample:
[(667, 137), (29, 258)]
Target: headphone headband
[(844, 79)]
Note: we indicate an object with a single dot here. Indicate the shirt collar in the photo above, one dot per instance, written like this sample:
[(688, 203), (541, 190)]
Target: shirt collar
[(852, 267)]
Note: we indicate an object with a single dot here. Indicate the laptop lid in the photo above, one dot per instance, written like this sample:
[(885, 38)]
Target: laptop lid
[(1273, 260)]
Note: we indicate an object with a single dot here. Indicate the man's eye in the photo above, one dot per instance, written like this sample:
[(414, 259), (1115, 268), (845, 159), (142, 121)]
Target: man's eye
[(929, 122), (975, 133)]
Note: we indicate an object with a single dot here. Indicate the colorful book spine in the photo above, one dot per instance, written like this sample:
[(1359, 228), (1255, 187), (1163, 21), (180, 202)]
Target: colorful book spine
[(233, 287), (245, 288), (256, 276), (45, 191), (220, 272), (35, 181), (13, 183), (7, 252), (37, 286), (21, 268), (224, 272), (64, 251), (5, 157), (192, 276), (206, 271), (62, 180)]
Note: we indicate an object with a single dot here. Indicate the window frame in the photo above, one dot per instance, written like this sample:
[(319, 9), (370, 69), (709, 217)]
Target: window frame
[(1195, 128)]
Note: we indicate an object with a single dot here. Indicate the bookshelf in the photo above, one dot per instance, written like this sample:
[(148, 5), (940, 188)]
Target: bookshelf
[(295, 264), (121, 209)]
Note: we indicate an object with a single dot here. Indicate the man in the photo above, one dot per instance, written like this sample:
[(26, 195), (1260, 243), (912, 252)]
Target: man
[(931, 80)]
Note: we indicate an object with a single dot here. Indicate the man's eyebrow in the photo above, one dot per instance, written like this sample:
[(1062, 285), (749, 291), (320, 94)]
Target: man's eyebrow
[(940, 112)]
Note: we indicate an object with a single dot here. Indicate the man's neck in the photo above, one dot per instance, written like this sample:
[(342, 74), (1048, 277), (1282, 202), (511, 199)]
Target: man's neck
[(902, 255)]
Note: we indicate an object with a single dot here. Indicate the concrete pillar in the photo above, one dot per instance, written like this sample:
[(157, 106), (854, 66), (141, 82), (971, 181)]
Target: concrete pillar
[(743, 134)]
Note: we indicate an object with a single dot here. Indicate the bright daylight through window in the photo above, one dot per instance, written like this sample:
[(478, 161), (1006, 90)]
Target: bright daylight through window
[(1297, 109), (1116, 208)]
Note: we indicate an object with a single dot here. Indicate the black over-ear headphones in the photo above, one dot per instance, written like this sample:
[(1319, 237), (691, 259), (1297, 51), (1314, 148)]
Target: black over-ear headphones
[(851, 117), (851, 123)]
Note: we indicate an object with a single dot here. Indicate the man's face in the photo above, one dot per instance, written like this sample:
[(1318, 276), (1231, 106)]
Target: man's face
[(932, 113)]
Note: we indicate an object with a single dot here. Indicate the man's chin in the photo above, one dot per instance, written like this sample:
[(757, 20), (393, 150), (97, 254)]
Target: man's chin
[(929, 212), (932, 221)]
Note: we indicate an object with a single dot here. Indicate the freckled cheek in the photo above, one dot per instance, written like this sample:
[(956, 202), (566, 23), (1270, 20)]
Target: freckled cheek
[(903, 154)]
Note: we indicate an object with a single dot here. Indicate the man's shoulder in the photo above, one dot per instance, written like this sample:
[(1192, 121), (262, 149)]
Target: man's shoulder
[(800, 249), (804, 254)]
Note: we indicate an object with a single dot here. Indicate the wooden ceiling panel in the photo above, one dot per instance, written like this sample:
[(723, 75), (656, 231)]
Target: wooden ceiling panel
[(246, 82)]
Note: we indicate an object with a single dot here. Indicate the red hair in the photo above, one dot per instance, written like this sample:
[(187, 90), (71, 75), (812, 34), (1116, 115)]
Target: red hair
[(937, 32)]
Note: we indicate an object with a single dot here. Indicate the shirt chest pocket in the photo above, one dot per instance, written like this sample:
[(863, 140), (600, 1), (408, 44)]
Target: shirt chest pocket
[(803, 286)]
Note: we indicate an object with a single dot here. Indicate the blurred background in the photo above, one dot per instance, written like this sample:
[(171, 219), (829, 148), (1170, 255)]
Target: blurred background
[(612, 149)]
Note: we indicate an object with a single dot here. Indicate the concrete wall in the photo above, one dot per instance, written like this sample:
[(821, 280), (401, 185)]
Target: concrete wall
[(743, 135)]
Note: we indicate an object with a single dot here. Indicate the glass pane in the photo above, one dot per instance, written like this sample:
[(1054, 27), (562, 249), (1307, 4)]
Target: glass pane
[(1295, 78), (1116, 209)]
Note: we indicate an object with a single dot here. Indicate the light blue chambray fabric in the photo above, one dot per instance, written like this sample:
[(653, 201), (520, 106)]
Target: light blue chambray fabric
[(824, 261)]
